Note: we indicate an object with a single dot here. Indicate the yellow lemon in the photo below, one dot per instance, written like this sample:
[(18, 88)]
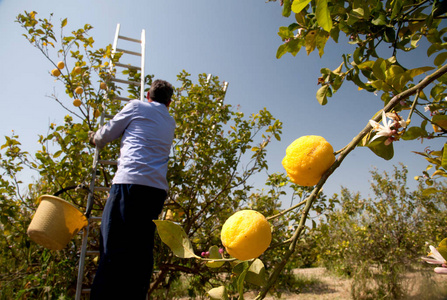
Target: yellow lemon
[(307, 158), (56, 72), (79, 90), (246, 234), (77, 102), (169, 215), (77, 70), (103, 86), (97, 113), (60, 65)]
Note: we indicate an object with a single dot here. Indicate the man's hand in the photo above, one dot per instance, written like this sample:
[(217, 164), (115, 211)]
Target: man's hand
[(91, 138)]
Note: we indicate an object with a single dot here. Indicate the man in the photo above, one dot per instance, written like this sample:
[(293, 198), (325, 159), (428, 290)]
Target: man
[(137, 195)]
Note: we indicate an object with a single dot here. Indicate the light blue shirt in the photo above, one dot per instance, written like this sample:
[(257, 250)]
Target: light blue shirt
[(147, 131)]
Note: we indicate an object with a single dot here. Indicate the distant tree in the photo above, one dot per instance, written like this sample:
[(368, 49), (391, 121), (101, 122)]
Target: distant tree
[(378, 240)]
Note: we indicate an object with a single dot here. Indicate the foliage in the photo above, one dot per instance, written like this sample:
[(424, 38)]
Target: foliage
[(378, 241), (383, 34), (216, 150)]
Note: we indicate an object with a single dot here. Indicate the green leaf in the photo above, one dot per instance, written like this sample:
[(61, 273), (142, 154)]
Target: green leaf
[(440, 120), (430, 191), (320, 41), (255, 274), (396, 8), (367, 65), (380, 20), (323, 15), (418, 71), (57, 154), (214, 254), (287, 8), (64, 22), (301, 18), (285, 32), (294, 46), (241, 277), (413, 133), (433, 48), (438, 173), (390, 35), (392, 73), (335, 33), (322, 94), (281, 50), (380, 149), (358, 55), (299, 5), (175, 238), (310, 41), (440, 58), (444, 157), (219, 293), (379, 69)]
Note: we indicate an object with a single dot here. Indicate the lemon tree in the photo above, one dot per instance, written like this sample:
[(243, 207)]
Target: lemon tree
[(246, 234), (307, 158), (207, 168)]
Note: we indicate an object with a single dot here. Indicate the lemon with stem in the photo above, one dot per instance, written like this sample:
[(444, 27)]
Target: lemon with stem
[(307, 158)]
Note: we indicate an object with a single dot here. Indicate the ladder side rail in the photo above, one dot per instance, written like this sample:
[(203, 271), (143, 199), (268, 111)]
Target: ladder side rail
[(90, 198), (82, 262), (115, 43), (143, 48), (115, 40)]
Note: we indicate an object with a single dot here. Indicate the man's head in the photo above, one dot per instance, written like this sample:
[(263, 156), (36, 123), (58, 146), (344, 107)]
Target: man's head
[(161, 91)]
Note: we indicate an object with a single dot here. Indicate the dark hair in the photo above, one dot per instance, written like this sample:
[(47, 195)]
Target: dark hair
[(161, 91)]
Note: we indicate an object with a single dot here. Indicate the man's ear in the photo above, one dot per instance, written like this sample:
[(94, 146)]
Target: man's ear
[(148, 95)]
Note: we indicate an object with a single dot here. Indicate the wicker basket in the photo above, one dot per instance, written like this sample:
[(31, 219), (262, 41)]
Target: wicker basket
[(55, 222)]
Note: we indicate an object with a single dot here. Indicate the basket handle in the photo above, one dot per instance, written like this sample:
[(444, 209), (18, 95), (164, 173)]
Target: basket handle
[(82, 186)]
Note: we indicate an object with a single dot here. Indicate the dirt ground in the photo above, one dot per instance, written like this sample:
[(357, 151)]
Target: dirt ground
[(328, 287)]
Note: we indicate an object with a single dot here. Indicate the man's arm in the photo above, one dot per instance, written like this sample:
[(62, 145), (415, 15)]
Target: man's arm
[(114, 128)]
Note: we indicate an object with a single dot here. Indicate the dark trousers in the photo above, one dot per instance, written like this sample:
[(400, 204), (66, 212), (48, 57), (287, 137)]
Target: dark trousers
[(127, 242)]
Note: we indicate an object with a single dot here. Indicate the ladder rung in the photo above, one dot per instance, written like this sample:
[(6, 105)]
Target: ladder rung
[(127, 66), (128, 52), (126, 81), (122, 98), (129, 39), (85, 291), (108, 162), (102, 188), (92, 252), (108, 116), (95, 218)]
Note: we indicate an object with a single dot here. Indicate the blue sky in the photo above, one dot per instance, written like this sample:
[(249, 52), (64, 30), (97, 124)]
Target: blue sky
[(235, 40)]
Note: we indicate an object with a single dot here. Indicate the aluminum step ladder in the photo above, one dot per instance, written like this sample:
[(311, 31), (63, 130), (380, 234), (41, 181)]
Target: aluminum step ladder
[(96, 159)]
